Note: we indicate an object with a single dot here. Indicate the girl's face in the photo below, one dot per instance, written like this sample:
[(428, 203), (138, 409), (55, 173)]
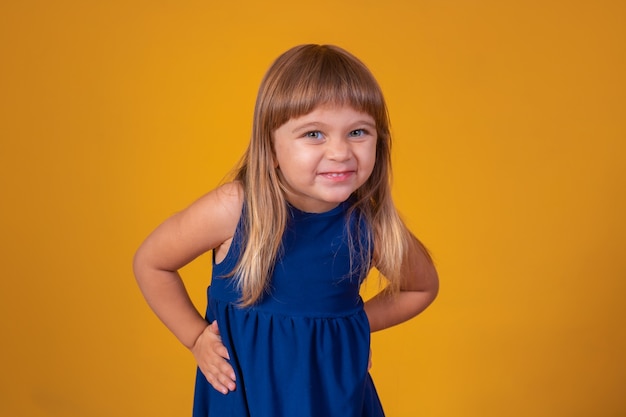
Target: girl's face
[(324, 156)]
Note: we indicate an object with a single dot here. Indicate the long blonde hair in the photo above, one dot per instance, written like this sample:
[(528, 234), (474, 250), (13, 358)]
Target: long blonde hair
[(301, 79)]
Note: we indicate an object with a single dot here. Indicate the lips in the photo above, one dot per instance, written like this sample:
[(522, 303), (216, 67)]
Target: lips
[(337, 176)]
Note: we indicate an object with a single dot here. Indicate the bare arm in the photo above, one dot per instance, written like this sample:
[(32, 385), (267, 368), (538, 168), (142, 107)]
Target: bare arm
[(418, 289), (207, 224)]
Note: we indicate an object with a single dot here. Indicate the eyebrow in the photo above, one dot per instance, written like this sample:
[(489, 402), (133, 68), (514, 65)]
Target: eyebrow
[(320, 124)]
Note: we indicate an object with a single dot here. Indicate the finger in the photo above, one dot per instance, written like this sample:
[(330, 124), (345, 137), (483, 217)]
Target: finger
[(223, 387), (221, 350), (214, 327), (221, 377), (222, 365), (227, 370)]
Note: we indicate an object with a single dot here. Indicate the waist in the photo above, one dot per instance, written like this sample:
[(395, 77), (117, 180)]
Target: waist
[(338, 300)]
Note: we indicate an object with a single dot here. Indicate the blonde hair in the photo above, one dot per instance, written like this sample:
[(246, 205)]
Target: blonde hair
[(301, 79)]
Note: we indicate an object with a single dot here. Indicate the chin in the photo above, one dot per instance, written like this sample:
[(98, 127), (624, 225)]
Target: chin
[(338, 199)]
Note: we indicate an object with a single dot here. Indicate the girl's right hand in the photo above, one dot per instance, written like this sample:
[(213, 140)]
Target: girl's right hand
[(212, 358)]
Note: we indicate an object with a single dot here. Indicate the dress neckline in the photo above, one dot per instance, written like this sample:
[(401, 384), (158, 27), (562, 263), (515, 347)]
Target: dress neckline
[(296, 213)]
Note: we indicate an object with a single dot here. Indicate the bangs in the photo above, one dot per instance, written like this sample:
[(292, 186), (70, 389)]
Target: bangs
[(312, 75)]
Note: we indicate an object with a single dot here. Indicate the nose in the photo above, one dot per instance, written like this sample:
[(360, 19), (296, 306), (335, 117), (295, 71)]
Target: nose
[(338, 149)]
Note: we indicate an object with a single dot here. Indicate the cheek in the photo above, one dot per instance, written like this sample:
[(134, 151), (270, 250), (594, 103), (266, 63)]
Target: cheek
[(368, 157), (289, 161), (279, 153), (295, 157)]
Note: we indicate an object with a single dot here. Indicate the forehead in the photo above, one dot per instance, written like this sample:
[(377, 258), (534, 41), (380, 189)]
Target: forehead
[(332, 114), (333, 109), (304, 98)]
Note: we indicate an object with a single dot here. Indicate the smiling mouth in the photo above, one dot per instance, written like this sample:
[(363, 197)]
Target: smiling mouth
[(337, 175)]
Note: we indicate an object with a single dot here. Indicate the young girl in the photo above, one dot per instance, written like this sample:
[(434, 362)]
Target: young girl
[(306, 217)]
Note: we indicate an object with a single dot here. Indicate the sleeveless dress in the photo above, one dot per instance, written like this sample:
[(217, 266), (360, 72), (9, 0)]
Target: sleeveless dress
[(303, 349)]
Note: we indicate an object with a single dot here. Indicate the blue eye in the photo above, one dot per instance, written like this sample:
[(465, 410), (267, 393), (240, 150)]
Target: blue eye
[(357, 133), (316, 134)]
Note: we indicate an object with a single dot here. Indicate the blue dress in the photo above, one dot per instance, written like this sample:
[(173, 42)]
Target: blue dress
[(303, 349)]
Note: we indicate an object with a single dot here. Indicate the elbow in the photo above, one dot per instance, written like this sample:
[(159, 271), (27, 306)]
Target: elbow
[(140, 265), (429, 288), (433, 280)]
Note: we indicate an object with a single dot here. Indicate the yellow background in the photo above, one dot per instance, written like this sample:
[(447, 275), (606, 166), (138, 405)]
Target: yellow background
[(509, 159)]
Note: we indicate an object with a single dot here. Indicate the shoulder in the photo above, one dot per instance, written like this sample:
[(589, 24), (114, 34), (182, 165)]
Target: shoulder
[(203, 226), (210, 220), (217, 212), (227, 197)]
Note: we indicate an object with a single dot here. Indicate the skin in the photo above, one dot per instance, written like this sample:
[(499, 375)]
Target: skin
[(322, 157)]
